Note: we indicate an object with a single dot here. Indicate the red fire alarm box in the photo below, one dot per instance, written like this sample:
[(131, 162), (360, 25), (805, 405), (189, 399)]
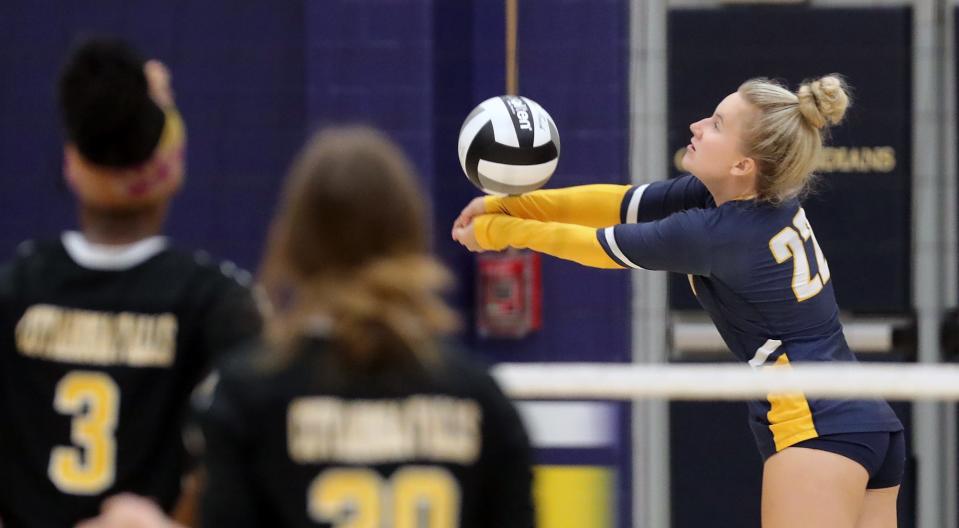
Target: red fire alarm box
[(509, 294)]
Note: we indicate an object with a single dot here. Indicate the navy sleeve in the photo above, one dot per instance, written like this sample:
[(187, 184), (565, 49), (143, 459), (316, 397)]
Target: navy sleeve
[(680, 242), (657, 200)]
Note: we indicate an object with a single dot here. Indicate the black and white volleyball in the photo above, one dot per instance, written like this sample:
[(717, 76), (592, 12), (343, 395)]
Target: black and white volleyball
[(508, 145)]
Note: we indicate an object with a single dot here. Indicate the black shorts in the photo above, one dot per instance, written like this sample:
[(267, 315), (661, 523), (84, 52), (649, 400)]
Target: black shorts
[(883, 454)]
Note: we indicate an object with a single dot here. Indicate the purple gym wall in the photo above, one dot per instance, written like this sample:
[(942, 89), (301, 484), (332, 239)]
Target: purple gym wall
[(253, 79)]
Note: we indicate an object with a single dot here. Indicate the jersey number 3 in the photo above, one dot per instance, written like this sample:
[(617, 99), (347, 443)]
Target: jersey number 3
[(414, 497), (790, 243), (93, 399)]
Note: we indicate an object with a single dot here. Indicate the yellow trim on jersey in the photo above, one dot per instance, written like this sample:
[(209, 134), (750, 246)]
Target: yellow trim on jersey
[(790, 418), (566, 241), (574, 496), (595, 205), (692, 284)]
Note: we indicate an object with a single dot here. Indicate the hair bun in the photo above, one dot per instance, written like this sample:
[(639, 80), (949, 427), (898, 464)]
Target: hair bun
[(823, 101)]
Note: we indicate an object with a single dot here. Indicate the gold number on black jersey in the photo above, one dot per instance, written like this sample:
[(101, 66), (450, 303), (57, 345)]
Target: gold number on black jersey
[(790, 244), (361, 498), (93, 399), (348, 498)]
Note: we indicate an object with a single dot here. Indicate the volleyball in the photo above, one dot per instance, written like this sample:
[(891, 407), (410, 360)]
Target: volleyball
[(508, 145)]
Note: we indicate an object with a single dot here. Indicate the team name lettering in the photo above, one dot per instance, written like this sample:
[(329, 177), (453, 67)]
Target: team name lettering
[(437, 428), (878, 159), (858, 159), (97, 338)]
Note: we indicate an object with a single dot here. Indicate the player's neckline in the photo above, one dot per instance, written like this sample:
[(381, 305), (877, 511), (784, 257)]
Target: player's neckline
[(111, 258)]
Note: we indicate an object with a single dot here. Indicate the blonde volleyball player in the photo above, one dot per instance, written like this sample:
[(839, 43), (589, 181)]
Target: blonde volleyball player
[(736, 227)]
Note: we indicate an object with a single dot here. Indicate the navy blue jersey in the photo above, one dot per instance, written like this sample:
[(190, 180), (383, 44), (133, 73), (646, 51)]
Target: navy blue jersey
[(759, 272)]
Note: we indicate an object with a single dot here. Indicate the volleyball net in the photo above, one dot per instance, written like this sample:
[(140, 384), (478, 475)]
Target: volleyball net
[(663, 451), (617, 381)]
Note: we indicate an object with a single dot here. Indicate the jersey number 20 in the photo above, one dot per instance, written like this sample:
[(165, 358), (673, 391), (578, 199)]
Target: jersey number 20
[(790, 243), (361, 498), (93, 399)]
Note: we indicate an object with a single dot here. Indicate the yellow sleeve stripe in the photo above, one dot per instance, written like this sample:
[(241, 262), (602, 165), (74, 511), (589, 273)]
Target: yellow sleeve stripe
[(566, 241), (595, 205)]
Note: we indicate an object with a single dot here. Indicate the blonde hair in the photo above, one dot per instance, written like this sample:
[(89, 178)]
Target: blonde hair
[(786, 136), (349, 248)]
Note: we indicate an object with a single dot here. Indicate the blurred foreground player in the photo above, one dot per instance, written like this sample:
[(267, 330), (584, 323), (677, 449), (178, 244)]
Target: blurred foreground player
[(358, 414), (108, 329)]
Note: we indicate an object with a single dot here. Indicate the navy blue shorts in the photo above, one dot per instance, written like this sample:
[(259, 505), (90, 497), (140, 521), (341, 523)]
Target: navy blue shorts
[(883, 454)]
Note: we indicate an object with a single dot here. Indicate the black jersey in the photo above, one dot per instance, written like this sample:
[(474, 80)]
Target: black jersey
[(312, 443), (101, 349)]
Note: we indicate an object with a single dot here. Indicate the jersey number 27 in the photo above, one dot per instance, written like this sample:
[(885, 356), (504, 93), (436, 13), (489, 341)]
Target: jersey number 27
[(790, 243)]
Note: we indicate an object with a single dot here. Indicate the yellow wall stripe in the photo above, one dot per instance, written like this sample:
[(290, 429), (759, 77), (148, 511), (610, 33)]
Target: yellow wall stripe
[(790, 419), (573, 496)]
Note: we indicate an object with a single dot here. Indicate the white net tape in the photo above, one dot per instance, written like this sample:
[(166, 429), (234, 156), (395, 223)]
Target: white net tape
[(611, 381)]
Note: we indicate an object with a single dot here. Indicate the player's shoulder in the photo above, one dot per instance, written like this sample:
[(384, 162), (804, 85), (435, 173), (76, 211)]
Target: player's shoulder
[(245, 376), (458, 361), (234, 394), (223, 272), (32, 252), (742, 234), (689, 183), (467, 371), (154, 255), (30, 257), (762, 211), (252, 362), (740, 219), (194, 275), (10, 267)]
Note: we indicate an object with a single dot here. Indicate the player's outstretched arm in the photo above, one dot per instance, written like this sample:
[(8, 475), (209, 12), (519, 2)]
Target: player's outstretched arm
[(682, 242), (566, 241), (598, 205), (595, 205)]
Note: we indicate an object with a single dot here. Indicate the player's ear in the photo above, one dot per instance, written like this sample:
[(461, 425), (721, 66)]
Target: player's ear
[(744, 167), (70, 160)]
